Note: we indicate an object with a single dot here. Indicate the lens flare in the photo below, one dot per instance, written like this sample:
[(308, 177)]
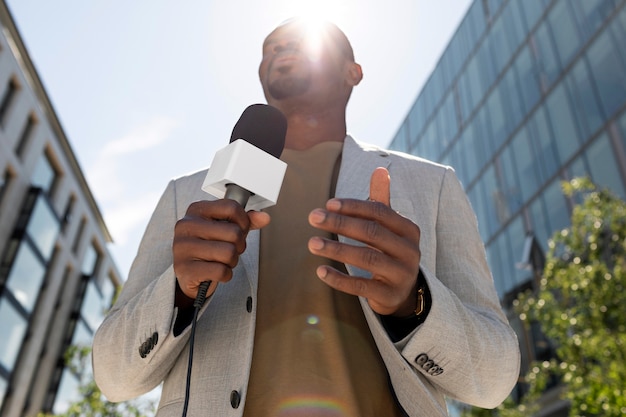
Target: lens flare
[(307, 406)]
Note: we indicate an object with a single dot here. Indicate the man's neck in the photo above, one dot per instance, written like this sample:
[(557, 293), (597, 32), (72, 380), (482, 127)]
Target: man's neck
[(306, 130)]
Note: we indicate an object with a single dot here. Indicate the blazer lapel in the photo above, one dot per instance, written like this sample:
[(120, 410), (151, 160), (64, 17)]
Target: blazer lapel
[(357, 165)]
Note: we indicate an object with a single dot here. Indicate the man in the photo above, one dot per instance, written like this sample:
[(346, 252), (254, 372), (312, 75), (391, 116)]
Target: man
[(368, 293)]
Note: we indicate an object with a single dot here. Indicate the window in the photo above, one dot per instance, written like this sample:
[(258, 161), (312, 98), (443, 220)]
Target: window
[(546, 56), (68, 392), (506, 262), (45, 176), (108, 290), (83, 335), (484, 136), (495, 107), (585, 103), (26, 276), (475, 21), (591, 14), (469, 148), (556, 206), (516, 235), (496, 210), (476, 88), (511, 104), (12, 331), (8, 97), (93, 307), (563, 122), (604, 171), (527, 75), (526, 164), (431, 142), (494, 6), (447, 120), (487, 70), (500, 46), (513, 21), (608, 70), (541, 225), (531, 10), (90, 261), (43, 227), (505, 164), (543, 145), (563, 26)]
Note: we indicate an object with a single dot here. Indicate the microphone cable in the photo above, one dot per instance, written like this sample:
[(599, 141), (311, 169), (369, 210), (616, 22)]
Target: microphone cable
[(197, 304)]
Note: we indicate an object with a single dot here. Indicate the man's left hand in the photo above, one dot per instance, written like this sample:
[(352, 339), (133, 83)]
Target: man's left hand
[(391, 254)]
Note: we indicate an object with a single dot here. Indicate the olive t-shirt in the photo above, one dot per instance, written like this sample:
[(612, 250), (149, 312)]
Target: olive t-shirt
[(313, 352)]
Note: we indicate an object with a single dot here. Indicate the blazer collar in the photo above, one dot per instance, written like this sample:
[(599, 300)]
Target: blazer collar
[(358, 161)]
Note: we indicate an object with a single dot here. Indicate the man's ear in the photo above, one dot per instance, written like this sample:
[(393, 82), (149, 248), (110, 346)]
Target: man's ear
[(355, 74)]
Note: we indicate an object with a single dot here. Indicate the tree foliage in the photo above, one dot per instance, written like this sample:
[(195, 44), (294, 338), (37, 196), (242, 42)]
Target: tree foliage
[(92, 402), (580, 307)]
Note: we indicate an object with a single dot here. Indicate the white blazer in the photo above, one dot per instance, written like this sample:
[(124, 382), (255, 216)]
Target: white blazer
[(465, 349)]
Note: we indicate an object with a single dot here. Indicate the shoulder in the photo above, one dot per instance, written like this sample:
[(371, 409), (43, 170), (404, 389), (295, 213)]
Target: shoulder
[(398, 159)]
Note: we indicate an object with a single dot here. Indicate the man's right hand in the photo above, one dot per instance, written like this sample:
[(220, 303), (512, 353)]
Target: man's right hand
[(207, 244)]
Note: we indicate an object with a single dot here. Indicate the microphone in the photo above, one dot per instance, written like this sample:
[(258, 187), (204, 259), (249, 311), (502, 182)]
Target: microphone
[(248, 170)]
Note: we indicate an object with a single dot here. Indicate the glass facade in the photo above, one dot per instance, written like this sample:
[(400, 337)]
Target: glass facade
[(527, 94)]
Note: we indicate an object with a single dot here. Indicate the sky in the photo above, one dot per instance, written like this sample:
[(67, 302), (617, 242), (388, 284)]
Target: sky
[(149, 90)]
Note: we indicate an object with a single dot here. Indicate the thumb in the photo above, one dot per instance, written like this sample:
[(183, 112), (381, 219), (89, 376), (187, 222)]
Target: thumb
[(258, 219), (379, 186)]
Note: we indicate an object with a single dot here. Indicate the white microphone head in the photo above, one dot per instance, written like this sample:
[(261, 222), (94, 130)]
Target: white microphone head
[(251, 159)]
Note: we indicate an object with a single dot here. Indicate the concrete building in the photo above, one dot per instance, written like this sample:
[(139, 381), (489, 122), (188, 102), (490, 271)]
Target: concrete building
[(57, 277), (528, 93)]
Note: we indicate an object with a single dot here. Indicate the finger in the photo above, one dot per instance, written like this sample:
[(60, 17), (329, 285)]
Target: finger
[(206, 231), (224, 210), (191, 249), (258, 219), (361, 287), (380, 183), (371, 223), (366, 258), (194, 273)]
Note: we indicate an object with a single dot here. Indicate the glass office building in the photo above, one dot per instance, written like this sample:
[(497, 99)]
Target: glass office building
[(57, 277), (527, 94)]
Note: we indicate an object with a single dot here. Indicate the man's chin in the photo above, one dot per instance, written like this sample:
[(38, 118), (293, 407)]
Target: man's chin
[(285, 89)]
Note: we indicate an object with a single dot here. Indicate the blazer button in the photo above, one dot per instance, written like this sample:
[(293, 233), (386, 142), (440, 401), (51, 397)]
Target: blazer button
[(249, 304), (235, 399)]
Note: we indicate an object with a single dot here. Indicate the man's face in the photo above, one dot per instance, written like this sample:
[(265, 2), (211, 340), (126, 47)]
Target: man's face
[(297, 59)]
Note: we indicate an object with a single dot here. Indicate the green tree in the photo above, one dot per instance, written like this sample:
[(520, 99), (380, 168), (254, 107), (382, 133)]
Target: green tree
[(92, 403), (580, 307)]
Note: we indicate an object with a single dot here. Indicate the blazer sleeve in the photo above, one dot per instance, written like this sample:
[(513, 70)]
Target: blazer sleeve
[(134, 348), (465, 347)]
